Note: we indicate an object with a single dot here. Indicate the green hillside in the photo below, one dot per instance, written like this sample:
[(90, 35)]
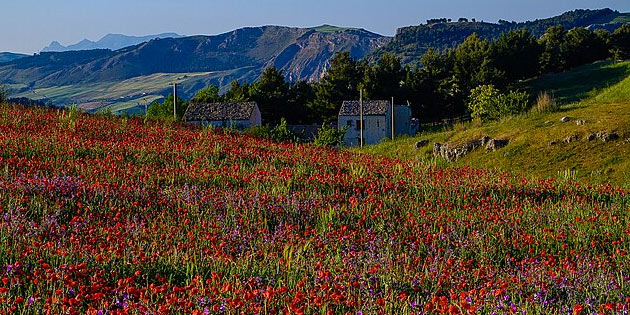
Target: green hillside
[(601, 108)]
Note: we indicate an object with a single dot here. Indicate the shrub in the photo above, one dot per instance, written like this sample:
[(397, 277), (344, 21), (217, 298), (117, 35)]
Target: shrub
[(329, 136), (259, 131), (281, 133), (488, 103)]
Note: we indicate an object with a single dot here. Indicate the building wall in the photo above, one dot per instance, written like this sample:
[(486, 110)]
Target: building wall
[(375, 128), (256, 119), (402, 120)]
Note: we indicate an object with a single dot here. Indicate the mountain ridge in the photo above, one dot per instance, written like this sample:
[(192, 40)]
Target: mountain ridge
[(109, 41)]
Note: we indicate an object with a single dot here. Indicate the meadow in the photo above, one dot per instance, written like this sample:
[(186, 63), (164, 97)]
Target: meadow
[(123, 216)]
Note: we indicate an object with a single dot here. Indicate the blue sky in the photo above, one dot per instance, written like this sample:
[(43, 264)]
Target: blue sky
[(28, 25)]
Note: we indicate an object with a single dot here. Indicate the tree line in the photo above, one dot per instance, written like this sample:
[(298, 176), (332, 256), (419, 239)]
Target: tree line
[(440, 87)]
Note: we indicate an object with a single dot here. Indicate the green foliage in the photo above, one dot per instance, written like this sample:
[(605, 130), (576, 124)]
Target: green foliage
[(281, 133), (328, 136), (259, 131), (271, 93), (621, 43), (207, 95), (237, 93), (164, 110), (340, 83), (473, 65), (3, 94), (554, 55), (516, 54), (382, 80), (488, 103)]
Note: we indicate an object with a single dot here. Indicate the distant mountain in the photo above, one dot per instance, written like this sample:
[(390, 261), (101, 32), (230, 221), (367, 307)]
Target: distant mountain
[(411, 42), (7, 56), (302, 53), (109, 41)]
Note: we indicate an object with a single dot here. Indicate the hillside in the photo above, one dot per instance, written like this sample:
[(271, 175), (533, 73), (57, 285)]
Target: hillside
[(302, 53), (529, 152), (114, 214), (411, 42), (8, 57), (109, 41)]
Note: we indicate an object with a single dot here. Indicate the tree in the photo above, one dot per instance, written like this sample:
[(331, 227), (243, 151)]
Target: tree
[(164, 110), (584, 47), (340, 83), (554, 55), (473, 65), (271, 93), (207, 95), (300, 94), (382, 81), (516, 54), (620, 41), (237, 92)]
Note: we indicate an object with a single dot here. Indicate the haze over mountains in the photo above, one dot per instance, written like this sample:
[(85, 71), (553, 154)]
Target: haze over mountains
[(109, 41), (133, 72)]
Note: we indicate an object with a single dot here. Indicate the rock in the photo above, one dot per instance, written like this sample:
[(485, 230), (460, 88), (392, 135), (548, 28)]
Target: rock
[(565, 119), (437, 149), (580, 122), (422, 143), (551, 143), (548, 122), (570, 139), (496, 144), (484, 140), (610, 137), (591, 137)]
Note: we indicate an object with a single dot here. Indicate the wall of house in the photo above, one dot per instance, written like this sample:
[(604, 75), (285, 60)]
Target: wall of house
[(256, 119), (375, 128), (402, 120)]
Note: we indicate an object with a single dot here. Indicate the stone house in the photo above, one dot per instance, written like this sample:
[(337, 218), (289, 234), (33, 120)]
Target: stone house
[(377, 121), (224, 115)]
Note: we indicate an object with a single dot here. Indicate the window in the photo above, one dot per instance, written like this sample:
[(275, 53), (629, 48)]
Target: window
[(358, 125), (349, 123), (378, 123)]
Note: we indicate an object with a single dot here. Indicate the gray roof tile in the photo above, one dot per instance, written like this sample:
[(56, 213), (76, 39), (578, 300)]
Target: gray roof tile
[(219, 111), (351, 108)]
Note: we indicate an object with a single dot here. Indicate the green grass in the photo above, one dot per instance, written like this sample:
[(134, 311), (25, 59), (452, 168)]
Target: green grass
[(528, 153), (330, 29), (579, 83)]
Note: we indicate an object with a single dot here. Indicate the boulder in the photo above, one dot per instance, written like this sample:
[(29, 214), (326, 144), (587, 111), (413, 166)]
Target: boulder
[(496, 144), (580, 122), (422, 144), (484, 140), (591, 137), (551, 143), (610, 137), (570, 139), (565, 119)]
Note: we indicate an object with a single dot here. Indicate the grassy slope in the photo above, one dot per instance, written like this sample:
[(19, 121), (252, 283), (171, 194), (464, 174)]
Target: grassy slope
[(608, 109)]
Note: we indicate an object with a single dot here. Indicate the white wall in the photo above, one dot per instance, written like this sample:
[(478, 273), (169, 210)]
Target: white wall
[(375, 128), (256, 119)]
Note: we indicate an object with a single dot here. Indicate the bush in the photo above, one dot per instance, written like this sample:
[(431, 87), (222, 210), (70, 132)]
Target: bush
[(281, 133), (488, 103), (259, 131), (329, 136)]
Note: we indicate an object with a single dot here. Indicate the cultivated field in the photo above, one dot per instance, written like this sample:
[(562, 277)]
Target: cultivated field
[(110, 214)]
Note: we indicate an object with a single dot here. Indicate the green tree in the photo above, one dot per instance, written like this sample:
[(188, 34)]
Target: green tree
[(271, 93), (473, 65), (207, 95), (584, 46), (340, 83), (516, 54), (237, 92), (620, 41), (382, 80), (164, 109), (300, 94), (554, 55), (328, 136)]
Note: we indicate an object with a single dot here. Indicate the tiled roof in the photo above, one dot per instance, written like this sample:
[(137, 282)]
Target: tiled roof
[(219, 111), (351, 108)]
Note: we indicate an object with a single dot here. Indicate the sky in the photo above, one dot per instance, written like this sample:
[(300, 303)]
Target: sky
[(26, 26)]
